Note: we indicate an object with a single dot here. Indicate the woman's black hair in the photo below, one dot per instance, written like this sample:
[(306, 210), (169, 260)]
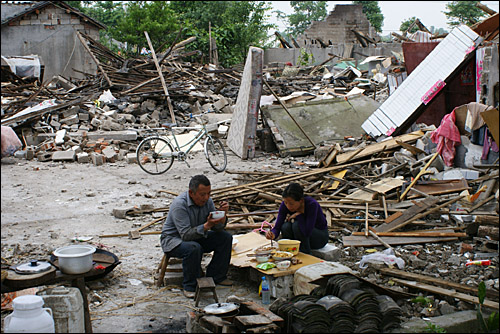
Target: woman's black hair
[(294, 191)]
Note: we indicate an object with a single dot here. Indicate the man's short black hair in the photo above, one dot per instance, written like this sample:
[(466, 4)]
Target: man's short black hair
[(294, 190), (196, 181)]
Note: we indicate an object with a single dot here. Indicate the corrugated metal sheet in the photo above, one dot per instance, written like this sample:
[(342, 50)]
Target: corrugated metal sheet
[(438, 65)]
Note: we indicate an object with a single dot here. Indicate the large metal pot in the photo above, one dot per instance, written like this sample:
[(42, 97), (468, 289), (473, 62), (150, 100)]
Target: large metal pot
[(75, 259), (222, 309)]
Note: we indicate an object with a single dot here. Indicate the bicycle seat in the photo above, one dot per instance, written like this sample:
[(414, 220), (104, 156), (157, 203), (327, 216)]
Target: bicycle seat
[(168, 125)]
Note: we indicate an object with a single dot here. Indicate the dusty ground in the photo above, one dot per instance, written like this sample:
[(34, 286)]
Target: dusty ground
[(45, 205)]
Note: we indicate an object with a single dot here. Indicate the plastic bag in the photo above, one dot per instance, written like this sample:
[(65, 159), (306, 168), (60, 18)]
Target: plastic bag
[(266, 266), (387, 256), (106, 97), (10, 142)]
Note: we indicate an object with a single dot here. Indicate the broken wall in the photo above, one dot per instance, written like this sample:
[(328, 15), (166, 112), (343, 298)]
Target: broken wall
[(336, 28), (356, 51), (43, 33)]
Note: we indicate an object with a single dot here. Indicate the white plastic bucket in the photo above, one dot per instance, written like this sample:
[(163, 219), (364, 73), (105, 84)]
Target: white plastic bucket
[(29, 316)]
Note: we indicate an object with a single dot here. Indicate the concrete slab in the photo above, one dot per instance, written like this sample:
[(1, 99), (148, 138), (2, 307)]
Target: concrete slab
[(322, 121), (242, 133), (328, 253), (64, 155), (460, 322)]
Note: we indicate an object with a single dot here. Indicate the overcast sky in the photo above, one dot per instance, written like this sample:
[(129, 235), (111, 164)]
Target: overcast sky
[(430, 13)]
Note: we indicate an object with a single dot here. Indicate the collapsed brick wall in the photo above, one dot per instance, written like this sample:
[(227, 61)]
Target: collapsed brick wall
[(337, 27)]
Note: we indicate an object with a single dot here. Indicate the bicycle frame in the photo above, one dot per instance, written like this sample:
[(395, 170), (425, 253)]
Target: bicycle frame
[(201, 133)]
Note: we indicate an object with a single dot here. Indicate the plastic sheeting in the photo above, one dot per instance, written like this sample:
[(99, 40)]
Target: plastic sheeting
[(10, 142)]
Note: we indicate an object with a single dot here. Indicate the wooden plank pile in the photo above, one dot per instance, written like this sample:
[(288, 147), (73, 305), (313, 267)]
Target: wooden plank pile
[(362, 198)]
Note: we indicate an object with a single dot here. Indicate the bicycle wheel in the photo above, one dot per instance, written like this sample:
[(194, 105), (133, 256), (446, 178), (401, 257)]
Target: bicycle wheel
[(154, 155), (215, 153)]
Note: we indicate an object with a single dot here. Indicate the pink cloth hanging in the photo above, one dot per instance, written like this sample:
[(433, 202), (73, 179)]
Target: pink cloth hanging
[(447, 136)]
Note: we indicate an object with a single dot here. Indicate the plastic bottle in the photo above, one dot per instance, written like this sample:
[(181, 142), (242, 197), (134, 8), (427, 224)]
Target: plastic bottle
[(266, 294), (29, 316), (478, 262)]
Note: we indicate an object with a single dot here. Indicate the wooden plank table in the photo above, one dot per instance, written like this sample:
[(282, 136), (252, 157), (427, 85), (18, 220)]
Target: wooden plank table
[(251, 240)]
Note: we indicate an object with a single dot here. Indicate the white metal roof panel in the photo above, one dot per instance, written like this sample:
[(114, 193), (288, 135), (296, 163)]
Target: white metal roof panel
[(438, 65)]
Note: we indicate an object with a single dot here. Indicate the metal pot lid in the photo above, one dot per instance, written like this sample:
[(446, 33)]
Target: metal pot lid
[(33, 267), (220, 308)]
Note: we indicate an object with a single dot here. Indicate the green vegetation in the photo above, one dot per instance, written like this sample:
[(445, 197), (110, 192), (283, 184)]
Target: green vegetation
[(235, 25), (304, 12), (432, 328), (406, 24), (489, 325), (373, 13), (305, 58), (463, 12)]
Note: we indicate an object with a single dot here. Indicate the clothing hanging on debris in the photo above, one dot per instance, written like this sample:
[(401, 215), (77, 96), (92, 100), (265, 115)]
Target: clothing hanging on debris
[(447, 136), (474, 120), (488, 144)]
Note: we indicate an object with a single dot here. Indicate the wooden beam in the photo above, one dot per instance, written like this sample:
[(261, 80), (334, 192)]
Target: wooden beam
[(422, 171), (435, 281), (288, 112), (160, 73), (94, 58), (446, 292)]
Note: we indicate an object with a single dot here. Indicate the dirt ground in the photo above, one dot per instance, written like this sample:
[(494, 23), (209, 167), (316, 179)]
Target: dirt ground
[(46, 204)]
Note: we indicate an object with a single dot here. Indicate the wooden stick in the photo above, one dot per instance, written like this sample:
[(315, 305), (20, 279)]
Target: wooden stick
[(288, 112), (422, 171), (366, 221), (160, 73), (385, 206), (94, 58), (385, 244), (416, 234)]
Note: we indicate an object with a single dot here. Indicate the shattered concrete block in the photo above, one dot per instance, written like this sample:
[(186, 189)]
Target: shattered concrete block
[(70, 112), (220, 104), (95, 122), (112, 125), (30, 152), (59, 140), (122, 153), (97, 158), (83, 116), (155, 115), (76, 148), (20, 154), (110, 153), (128, 117), (148, 105), (44, 156), (328, 253), (70, 120), (131, 158), (83, 157), (111, 113), (144, 119), (64, 155), (84, 128), (74, 127), (55, 124), (228, 109)]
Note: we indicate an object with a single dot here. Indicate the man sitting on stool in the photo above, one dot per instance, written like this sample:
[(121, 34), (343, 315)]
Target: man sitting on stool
[(189, 231)]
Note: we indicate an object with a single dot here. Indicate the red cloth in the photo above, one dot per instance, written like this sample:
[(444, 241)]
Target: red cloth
[(447, 136)]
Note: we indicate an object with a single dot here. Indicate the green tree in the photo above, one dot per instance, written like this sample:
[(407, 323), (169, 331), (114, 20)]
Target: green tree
[(235, 26), (406, 24), (463, 12), (373, 13), (155, 17), (304, 12)]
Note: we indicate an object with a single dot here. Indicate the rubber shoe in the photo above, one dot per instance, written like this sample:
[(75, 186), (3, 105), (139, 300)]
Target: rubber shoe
[(188, 294), (226, 282)]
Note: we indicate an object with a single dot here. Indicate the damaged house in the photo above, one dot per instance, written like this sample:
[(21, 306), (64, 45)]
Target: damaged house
[(42, 27)]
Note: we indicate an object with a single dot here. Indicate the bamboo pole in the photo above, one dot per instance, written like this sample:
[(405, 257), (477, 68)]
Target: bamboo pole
[(158, 68)]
